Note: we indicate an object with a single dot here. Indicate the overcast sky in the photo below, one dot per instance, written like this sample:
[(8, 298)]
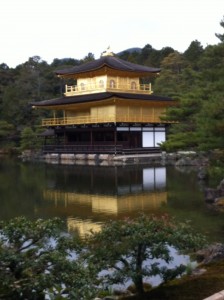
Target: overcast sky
[(73, 28)]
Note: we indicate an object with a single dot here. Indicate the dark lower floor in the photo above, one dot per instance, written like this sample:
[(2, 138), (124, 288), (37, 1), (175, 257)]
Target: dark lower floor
[(111, 139)]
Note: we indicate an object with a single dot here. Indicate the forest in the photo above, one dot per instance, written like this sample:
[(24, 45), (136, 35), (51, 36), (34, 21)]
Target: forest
[(194, 78)]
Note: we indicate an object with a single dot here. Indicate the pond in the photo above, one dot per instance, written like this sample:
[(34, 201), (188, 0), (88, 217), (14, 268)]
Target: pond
[(86, 196)]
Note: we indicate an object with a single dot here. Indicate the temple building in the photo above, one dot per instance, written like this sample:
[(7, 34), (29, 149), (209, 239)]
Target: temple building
[(108, 109)]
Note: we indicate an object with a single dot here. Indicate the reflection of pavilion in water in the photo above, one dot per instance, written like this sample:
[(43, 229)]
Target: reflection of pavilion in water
[(87, 196)]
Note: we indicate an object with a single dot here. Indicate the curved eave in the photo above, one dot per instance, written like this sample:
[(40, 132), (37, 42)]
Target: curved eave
[(63, 102), (109, 71), (108, 64)]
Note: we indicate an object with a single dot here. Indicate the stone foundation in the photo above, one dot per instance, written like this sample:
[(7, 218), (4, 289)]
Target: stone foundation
[(179, 159)]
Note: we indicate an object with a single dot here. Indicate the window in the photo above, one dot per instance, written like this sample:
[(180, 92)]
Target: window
[(112, 83), (133, 85), (82, 86), (101, 83)]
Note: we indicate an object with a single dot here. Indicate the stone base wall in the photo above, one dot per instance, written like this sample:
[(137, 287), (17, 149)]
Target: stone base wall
[(179, 159)]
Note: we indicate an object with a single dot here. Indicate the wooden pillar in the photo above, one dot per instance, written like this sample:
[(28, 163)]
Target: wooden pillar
[(65, 137), (129, 137), (54, 116), (115, 139), (91, 136)]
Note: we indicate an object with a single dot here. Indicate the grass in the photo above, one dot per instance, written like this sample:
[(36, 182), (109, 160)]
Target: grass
[(189, 287)]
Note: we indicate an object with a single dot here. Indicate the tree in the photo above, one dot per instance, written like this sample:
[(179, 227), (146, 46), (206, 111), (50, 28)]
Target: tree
[(183, 133), (193, 53), (175, 62), (199, 88), (26, 84), (89, 57), (209, 119), (219, 35), (171, 81), (145, 53), (28, 139), (7, 132), (129, 248), (6, 80), (210, 124), (37, 259)]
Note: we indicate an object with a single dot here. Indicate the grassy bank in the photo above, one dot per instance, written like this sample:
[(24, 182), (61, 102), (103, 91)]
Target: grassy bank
[(191, 287)]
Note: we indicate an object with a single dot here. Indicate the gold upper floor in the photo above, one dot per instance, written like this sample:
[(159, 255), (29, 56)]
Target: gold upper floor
[(107, 83), (112, 111)]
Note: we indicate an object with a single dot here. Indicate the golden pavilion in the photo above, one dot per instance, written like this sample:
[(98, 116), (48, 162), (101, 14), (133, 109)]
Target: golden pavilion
[(107, 109)]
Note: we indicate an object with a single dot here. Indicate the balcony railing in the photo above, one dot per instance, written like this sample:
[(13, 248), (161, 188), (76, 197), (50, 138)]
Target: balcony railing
[(97, 149), (119, 118), (72, 90)]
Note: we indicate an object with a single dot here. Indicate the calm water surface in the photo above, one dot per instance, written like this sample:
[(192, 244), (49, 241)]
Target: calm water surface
[(86, 196)]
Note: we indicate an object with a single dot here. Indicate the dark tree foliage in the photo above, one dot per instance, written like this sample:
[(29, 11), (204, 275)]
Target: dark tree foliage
[(199, 88), (219, 35), (36, 260), (64, 63), (6, 80), (39, 258), (89, 57), (7, 135), (193, 53)]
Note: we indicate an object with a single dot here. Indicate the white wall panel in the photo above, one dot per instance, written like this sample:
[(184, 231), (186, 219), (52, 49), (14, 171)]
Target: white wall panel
[(148, 139), (159, 138)]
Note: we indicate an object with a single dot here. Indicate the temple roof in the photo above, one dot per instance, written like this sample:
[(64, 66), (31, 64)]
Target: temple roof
[(98, 97), (111, 62)]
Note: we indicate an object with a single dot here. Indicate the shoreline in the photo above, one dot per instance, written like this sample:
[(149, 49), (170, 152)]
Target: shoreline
[(180, 158)]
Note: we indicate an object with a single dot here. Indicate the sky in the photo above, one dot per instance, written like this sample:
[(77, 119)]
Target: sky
[(73, 28)]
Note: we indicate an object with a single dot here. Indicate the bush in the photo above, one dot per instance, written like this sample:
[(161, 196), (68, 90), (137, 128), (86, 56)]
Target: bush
[(35, 260)]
